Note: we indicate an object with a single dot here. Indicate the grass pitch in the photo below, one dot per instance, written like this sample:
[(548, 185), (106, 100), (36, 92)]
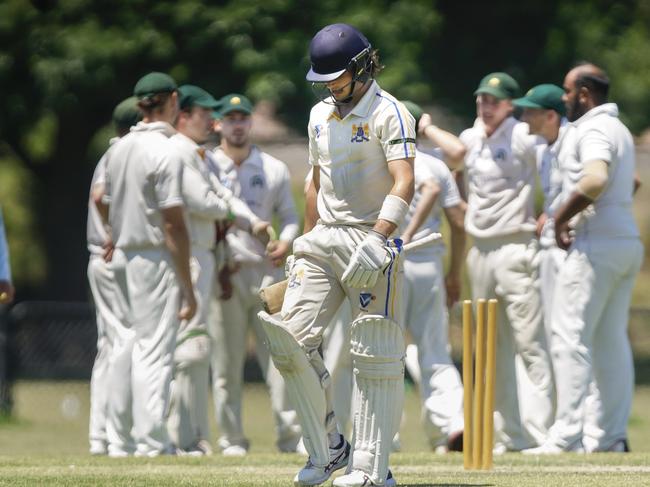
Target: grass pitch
[(46, 445)]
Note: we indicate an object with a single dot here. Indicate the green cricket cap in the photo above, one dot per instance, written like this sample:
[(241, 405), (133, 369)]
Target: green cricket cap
[(154, 83), (545, 96), (193, 96), (126, 113), (500, 85), (235, 103)]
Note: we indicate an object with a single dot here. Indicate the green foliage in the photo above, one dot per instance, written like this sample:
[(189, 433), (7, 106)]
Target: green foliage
[(26, 250), (65, 64)]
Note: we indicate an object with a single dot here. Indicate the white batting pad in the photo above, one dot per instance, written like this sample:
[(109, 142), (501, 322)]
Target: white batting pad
[(305, 387), (378, 361)]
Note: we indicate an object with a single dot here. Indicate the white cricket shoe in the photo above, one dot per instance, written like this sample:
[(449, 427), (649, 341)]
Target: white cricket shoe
[(98, 447), (357, 478), (234, 451), (313, 475)]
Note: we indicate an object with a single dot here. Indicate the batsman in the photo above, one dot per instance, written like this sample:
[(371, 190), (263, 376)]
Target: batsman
[(361, 147)]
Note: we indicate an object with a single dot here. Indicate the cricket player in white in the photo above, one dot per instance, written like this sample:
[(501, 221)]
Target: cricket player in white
[(188, 420), (100, 279), (500, 168), (544, 112), (362, 144), (427, 292), (264, 183), (594, 285), (143, 205)]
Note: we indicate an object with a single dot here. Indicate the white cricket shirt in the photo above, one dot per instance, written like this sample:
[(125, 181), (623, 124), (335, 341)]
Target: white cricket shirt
[(264, 184), (558, 169), (202, 203), (500, 175), (600, 135), (428, 168), (96, 234), (352, 154), (143, 176)]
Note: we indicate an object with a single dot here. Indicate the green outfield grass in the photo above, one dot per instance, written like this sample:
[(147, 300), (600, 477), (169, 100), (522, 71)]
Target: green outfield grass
[(45, 444), (275, 470)]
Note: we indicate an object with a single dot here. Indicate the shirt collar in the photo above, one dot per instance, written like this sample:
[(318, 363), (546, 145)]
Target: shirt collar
[(505, 125), (363, 106), (253, 159), (610, 109), (163, 127), (185, 140)]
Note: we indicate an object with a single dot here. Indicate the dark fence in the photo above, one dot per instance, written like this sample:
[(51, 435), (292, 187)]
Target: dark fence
[(49, 340)]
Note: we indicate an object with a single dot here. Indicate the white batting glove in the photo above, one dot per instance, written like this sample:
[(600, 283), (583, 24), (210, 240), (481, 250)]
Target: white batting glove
[(367, 262)]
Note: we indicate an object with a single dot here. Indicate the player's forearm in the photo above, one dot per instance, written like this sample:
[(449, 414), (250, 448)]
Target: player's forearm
[(457, 251), (102, 208), (576, 203), (311, 208), (209, 206), (450, 145), (396, 204)]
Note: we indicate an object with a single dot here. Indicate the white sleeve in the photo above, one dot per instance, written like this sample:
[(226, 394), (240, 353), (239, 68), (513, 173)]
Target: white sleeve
[(168, 181), (395, 127), (5, 268), (449, 196), (593, 144), (313, 145), (200, 198)]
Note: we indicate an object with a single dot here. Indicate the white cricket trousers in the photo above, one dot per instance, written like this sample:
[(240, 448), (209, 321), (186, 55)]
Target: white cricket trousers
[(149, 298), (100, 278), (338, 361), (505, 268), (188, 418), (313, 298), (426, 319), (590, 341), (228, 327)]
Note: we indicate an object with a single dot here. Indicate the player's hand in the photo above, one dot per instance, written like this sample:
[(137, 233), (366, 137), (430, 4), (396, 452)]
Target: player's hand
[(188, 308), (367, 262), (425, 121), (541, 221), (225, 283), (406, 238), (452, 287), (7, 292), (277, 250), (563, 236), (261, 232), (109, 248)]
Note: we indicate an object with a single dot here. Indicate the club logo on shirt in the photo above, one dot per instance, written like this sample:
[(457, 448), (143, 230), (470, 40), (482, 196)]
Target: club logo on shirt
[(256, 180), (365, 299), (295, 279), (500, 155), (360, 133), (318, 129)]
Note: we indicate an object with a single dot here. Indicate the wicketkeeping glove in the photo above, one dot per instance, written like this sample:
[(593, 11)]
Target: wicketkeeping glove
[(367, 262)]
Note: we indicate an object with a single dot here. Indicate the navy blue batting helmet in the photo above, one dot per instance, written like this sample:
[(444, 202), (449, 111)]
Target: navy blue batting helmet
[(333, 50)]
